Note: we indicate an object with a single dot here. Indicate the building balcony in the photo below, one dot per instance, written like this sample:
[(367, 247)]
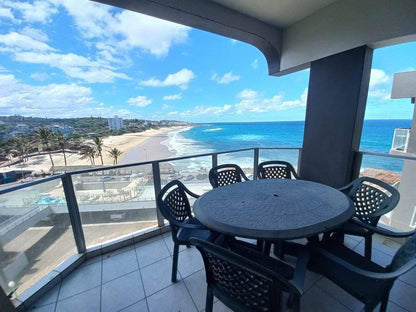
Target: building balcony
[(137, 278), (92, 240), (400, 141)]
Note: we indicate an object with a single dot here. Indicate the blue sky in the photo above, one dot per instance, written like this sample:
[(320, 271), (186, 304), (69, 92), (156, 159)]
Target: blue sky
[(75, 58)]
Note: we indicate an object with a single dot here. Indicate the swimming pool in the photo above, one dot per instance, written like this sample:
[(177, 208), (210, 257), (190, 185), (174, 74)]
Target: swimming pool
[(51, 200)]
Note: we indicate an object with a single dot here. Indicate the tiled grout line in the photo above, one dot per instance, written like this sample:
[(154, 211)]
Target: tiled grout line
[(101, 281), (57, 296), (141, 278), (189, 293), (333, 297)]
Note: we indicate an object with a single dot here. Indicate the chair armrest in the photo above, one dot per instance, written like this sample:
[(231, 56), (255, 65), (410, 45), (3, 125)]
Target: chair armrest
[(188, 225), (382, 231), (191, 193), (356, 270), (244, 176)]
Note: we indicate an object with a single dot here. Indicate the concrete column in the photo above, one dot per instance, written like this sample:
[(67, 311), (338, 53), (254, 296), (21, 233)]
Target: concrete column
[(337, 95)]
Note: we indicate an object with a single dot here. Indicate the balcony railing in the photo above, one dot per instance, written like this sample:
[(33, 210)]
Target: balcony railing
[(49, 226), (400, 140)]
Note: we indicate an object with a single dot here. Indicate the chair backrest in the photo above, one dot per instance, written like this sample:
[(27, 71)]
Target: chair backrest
[(226, 174), (372, 198), (276, 169), (173, 203), (240, 283)]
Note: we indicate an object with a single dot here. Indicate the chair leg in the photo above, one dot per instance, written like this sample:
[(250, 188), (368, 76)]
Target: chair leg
[(384, 302), (175, 262), (267, 247), (368, 247), (210, 300)]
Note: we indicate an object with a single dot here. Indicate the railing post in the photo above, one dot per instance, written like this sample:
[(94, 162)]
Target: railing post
[(299, 160), (255, 163), (73, 211), (214, 160), (356, 166), (157, 184)]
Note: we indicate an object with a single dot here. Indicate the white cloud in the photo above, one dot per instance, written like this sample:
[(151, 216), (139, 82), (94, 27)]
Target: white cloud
[(181, 79), (39, 76), (253, 102), (73, 65), (204, 110), (34, 33), (37, 11), (59, 100), (125, 30), (255, 64), (172, 97), (380, 94), (226, 78), (378, 77), (6, 13), (18, 42), (248, 94), (140, 101)]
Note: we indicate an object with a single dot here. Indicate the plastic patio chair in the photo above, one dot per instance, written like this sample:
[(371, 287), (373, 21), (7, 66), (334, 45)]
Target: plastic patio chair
[(174, 205), (226, 174), (246, 280), (365, 280), (372, 198), (276, 169)]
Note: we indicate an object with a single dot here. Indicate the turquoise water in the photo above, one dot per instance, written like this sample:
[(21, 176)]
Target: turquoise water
[(51, 200), (376, 137)]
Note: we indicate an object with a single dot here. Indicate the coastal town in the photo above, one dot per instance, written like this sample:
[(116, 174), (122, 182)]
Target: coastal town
[(36, 147)]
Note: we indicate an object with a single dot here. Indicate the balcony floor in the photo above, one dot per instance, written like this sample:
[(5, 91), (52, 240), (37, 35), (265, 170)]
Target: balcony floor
[(137, 278)]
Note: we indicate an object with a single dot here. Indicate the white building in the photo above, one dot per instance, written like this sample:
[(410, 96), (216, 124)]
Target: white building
[(115, 123)]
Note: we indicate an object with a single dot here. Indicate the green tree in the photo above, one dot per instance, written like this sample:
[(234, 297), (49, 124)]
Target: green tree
[(115, 153), (88, 151), (45, 137), (20, 146), (62, 142), (98, 142)]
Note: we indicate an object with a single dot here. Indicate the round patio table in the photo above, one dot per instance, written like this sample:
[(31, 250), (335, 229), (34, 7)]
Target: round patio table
[(273, 209)]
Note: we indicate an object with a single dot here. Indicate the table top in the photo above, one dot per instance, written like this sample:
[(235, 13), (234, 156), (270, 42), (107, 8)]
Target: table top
[(273, 209)]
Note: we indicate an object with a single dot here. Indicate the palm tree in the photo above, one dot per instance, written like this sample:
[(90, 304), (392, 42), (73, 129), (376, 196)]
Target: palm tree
[(88, 151), (115, 153), (44, 136), (98, 142), (20, 146), (62, 142)]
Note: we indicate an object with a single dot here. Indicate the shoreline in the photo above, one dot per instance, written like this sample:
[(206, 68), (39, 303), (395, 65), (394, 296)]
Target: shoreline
[(136, 147)]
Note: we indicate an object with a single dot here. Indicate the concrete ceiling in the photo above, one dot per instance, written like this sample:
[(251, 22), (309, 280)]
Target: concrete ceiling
[(280, 13), (291, 33)]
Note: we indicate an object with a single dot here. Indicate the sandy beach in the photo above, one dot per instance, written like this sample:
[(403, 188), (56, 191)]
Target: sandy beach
[(136, 147)]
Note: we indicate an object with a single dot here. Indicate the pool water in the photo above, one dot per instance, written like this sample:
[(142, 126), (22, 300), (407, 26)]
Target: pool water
[(50, 200)]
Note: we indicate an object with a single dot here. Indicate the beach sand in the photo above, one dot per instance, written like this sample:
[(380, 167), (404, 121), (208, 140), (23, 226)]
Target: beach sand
[(136, 147)]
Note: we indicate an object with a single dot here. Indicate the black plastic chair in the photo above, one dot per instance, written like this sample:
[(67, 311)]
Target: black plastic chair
[(174, 205), (365, 280), (276, 169), (246, 280), (226, 174), (372, 198)]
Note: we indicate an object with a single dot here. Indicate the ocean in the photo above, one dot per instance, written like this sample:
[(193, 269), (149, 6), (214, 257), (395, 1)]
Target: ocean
[(216, 137)]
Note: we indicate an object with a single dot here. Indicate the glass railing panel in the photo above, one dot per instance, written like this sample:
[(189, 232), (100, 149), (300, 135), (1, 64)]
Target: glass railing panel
[(289, 155), (244, 159), (114, 203), (400, 139), (35, 234), (193, 172), (400, 173)]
